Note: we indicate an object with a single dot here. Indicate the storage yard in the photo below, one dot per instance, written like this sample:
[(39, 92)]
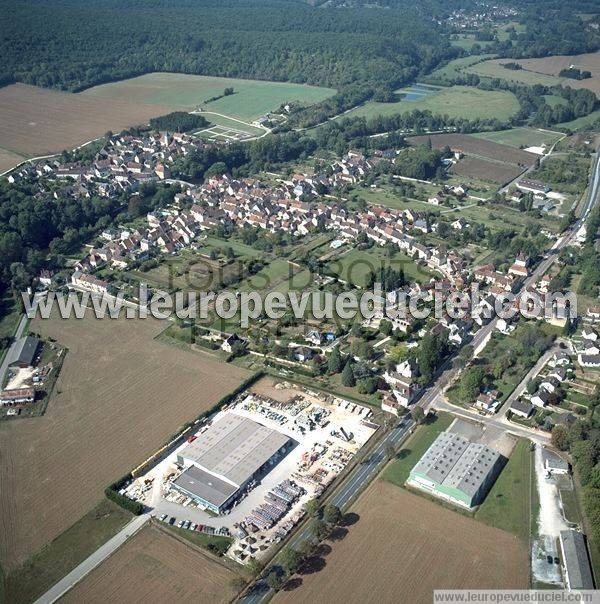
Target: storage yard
[(402, 546), (248, 471)]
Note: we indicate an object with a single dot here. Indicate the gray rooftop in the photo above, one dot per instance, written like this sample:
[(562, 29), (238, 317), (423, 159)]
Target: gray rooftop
[(234, 448), (198, 482), (455, 462), (25, 349), (576, 560), (521, 405)]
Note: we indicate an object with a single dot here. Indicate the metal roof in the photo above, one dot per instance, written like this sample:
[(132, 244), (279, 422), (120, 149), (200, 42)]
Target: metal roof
[(457, 463), (25, 350), (576, 560), (201, 484), (234, 448)]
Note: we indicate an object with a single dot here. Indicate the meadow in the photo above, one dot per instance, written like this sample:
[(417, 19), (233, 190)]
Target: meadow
[(455, 101), (251, 98)]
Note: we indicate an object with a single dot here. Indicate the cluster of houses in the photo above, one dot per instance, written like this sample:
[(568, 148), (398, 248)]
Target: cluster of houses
[(539, 191), (125, 162)]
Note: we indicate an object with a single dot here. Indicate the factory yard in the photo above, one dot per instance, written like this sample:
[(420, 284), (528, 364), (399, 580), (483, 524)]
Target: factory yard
[(249, 470), (119, 397), (154, 566), (403, 546)]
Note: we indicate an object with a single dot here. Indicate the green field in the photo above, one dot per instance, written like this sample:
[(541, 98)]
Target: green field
[(454, 68), (508, 504), (493, 69), (455, 101), (467, 41), (581, 123), (413, 449), (521, 137), (355, 266), (68, 550), (251, 98)]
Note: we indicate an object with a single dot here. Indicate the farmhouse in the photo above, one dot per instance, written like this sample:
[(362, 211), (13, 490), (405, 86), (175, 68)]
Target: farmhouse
[(535, 186), (578, 573), (24, 354), (17, 396), (227, 458), (89, 282), (456, 470)]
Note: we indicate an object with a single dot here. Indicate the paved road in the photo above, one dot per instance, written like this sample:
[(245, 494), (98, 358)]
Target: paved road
[(89, 564), (10, 354), (360, 476)]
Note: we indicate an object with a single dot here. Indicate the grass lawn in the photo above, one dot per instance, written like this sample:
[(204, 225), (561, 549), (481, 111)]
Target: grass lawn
[(455, 101), (413, 449), (521, 137), (570, 505), (240, 249), (10, 316), (215, 543), (63, 554), (508, 504), (497, 217), (251, 98), (355, 266), (385, 196)]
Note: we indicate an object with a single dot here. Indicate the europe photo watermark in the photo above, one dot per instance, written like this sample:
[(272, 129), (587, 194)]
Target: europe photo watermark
[(247, 306)]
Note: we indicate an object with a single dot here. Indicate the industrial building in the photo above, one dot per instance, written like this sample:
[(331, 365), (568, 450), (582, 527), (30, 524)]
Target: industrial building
[(456, 470), (224, 459), (578, 573), (24, 352)]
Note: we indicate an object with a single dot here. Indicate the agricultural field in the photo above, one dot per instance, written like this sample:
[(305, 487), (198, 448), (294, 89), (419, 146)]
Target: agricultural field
[(402, 547), (490, 171), (521, 137), (9, 160), (154, 566), (455, 101), (471, 145), (37, 121), (544, 70), (121, 394), (251, 98), (454, 68)]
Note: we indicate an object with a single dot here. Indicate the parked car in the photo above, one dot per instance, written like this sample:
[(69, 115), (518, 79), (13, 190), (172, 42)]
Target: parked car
[(172, 520), (549, 559), (556, 560), (186, 524), (163, 517), (180, 524), (193, 526)]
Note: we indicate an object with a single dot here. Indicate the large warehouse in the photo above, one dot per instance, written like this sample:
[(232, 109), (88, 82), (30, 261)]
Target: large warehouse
[(457, 470), (227, 457)]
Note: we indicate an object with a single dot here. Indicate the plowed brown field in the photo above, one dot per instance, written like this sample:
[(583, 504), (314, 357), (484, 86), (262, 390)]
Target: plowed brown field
[(119, 397), (403, 547), (155, 567)]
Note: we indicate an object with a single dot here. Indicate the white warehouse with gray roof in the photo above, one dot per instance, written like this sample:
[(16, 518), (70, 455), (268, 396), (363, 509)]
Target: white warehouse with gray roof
[(226, 458), (455, 469)]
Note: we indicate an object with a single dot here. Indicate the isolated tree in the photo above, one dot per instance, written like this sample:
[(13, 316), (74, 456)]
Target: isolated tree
[(274, 581), (417, 414), (319, 529), (560, 438), (348, 376), (389, 450), (332, 514), (312, 507), (290, 560), (335, 362)]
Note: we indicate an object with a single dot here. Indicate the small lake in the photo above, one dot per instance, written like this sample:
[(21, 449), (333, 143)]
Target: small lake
[(417, 92)]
